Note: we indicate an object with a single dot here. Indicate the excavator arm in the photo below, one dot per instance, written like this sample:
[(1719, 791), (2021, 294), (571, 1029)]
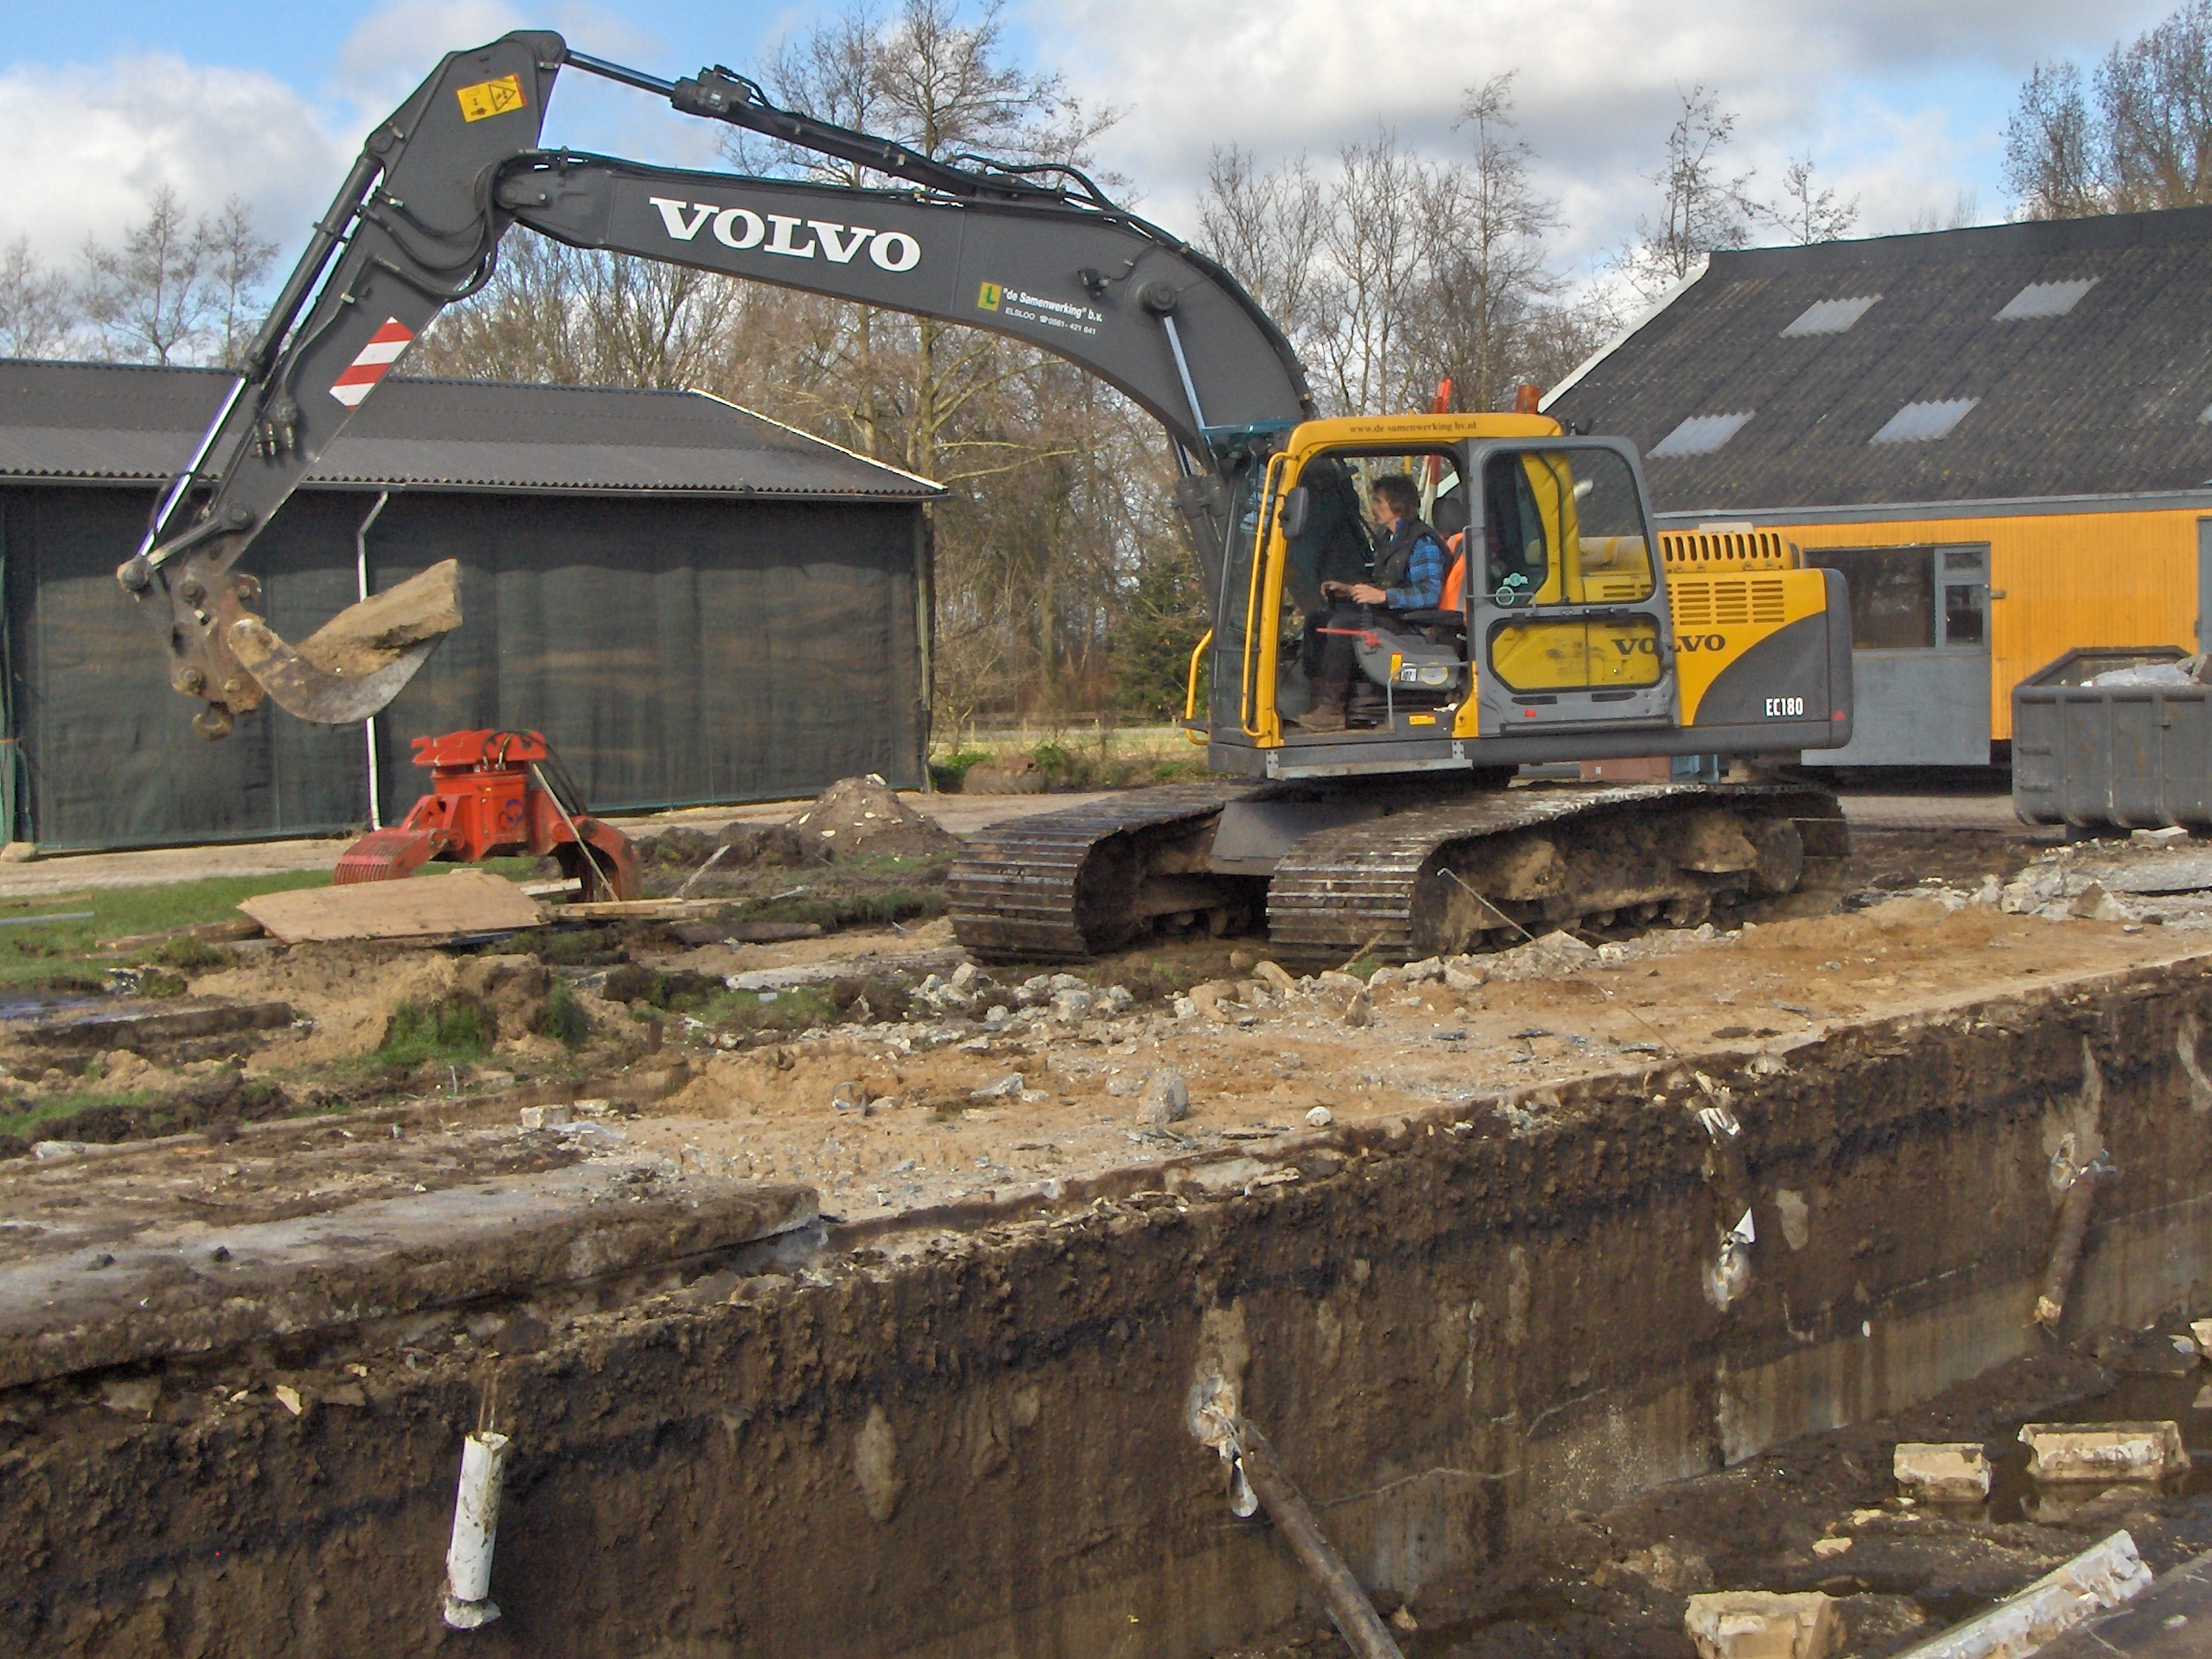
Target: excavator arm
[(1036, 253)]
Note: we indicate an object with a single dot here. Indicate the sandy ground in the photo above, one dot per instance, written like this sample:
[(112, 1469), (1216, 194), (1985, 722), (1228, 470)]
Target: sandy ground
[(893, 1119), (1261, 1070)]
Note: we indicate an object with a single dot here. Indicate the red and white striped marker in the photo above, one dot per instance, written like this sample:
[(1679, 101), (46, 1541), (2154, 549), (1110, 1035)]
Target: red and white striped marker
[(365, 371)]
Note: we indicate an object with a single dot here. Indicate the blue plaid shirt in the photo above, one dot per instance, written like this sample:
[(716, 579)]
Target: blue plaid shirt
[(1424, 589)]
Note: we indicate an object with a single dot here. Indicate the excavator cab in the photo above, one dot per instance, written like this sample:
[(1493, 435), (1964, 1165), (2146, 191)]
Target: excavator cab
[(1553, 615), (1561, 636)]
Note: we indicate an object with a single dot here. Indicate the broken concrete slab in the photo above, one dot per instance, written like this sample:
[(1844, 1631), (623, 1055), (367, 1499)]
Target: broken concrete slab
[(2170, 875), (1942, 1473), (2106, 1451), (70, 1303), (822, 973), (2101, 1578), (135, 1024), (422, 908), (1764, 1625), (2166, 1621)]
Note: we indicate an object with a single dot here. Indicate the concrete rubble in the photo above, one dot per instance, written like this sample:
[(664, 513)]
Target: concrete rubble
[(1762, 1624), (1942, 1473)]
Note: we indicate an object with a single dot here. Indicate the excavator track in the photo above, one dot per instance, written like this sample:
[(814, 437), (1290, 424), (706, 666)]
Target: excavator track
[(1470, 870), (1059, 886), (1488, 870)]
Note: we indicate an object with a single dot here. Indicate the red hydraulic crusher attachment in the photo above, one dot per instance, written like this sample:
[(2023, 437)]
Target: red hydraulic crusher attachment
[(496, 794)]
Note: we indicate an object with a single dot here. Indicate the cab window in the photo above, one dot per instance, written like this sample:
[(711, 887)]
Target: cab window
[(1564, 527)]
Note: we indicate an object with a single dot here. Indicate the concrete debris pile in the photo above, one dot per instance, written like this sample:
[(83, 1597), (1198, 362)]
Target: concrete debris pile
[(2151, 877), (2050, 889)]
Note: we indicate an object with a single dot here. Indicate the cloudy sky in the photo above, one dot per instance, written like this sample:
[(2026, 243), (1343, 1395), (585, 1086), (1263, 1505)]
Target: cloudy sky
[(1900, 102)]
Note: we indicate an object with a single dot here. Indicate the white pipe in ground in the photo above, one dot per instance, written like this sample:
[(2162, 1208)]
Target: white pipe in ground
[(469, 1602)]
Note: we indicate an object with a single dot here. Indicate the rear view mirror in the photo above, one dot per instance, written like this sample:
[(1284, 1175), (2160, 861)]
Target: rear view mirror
[(1292, 514)]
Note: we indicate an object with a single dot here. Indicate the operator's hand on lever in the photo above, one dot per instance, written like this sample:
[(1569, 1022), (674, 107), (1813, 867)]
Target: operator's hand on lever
[(1358, 592)]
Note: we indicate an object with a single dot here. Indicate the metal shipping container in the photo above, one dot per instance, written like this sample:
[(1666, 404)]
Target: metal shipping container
[(2101, 757)]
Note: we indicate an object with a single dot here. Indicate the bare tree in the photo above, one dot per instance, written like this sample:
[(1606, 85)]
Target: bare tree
[(1806, 213), (150, 297), (236, 259), (1702, 205), (2155, 99), (2049, 144), (177, 290), (1376, 241), (2139, 138), (39, 311), (1489, 273), (1965, 210), (1266, 227)]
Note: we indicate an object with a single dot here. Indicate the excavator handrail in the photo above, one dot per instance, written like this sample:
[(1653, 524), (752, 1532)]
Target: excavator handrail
[(1190, 727), (1247, 684)]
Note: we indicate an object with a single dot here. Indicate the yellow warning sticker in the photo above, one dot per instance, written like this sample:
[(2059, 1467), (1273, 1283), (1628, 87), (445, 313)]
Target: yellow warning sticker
[(489, 98), (988, 300)]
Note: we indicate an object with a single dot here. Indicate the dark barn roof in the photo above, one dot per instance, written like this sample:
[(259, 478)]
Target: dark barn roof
[(2063, 358), (124, 423)]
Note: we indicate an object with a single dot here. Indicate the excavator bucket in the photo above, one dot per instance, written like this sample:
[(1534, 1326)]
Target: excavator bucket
[(356, 663)]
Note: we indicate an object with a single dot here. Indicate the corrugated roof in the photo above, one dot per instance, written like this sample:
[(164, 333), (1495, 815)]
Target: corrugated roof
[(2076, 354), (114, 423)]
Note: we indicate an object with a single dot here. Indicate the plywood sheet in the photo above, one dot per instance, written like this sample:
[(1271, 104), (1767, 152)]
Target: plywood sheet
[(420, 907)]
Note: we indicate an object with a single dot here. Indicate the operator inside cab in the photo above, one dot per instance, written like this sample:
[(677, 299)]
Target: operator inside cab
[(1408, 575)]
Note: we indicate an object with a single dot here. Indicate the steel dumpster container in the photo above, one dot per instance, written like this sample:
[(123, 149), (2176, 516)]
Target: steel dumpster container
[(2111, 757)]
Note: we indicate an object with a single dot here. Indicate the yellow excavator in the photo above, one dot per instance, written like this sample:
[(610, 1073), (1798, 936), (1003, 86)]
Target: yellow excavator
[(1566, 631)]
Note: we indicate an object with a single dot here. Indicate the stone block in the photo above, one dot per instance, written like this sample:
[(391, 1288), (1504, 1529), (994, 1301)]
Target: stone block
[(1764, 1625), (1942, 1473)]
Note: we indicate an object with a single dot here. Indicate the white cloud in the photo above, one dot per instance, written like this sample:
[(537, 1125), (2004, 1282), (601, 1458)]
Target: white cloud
[(1899, 101), (87, 146), (392, 50)]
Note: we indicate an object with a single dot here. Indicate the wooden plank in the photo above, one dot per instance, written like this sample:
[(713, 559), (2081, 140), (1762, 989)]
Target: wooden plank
[(641, 909), (420, 907)]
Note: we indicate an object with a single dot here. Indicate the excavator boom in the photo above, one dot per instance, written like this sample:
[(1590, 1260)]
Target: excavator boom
[(1036, 254)]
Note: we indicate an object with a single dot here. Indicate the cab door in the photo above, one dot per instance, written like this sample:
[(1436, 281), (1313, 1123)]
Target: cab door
[(1568, 621)]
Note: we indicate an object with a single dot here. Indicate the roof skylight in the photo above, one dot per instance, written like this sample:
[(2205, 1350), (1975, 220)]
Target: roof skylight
[(2045, 299), (1924, 422), (1830, 316), (1699, 435)]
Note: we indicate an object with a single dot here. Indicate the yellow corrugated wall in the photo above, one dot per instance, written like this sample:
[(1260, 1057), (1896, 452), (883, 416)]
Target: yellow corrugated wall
[(2067, 579)]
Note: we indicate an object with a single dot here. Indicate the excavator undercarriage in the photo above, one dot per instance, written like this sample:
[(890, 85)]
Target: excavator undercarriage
[(1336, 871)]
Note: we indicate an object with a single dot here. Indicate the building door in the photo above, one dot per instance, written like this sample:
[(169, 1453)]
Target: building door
[(2204, 624), (1919, 656)]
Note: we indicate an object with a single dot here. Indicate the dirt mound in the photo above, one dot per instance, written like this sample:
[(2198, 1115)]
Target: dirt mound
[(348, 989), (776, 844), (861, 817)]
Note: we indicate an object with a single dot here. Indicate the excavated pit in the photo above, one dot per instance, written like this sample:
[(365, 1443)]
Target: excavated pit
[(963, 1431)]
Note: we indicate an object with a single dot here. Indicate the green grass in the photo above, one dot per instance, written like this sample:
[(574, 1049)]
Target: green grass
[(564, 1016), (23, 1124), (948, 773), (39, 952), (43, 952), (449, 1031), (1074, 758)]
